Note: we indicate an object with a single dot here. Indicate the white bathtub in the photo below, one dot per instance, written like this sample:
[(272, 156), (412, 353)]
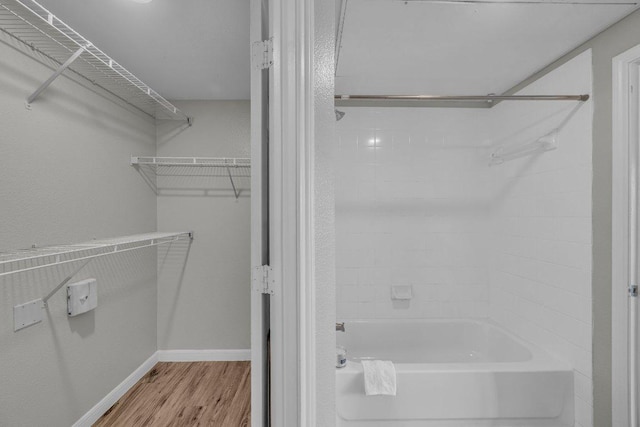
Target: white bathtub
[(452, 373)]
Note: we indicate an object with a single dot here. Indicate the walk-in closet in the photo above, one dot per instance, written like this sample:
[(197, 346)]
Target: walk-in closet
[(124, 254)]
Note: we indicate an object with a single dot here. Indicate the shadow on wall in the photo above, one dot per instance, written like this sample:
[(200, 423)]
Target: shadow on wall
[(61, 349), (458, 200), (552, 121), (64, 101), (462, 205), (167, 130), (118, 275), (172, 264)]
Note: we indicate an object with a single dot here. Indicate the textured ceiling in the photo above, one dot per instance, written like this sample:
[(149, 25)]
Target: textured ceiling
[(199, 49), (186, 49), (420, 47)]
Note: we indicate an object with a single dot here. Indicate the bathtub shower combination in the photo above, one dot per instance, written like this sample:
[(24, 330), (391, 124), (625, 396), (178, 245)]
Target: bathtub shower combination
[(463, 256), (452, 370)]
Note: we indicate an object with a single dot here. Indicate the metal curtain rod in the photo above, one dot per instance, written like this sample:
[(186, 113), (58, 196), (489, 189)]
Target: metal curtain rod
[(541, 2), (489, 98)]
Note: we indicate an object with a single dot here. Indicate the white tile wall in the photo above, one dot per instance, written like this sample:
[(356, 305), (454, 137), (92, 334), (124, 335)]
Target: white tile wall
[(412, 202), (541, 280), (417, 203)]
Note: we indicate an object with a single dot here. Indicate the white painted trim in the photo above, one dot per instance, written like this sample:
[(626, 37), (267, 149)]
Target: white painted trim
[(259, 230), (203, 355), (620, 231), (307, 214), (284, 204), (110, 399), (292, 189)]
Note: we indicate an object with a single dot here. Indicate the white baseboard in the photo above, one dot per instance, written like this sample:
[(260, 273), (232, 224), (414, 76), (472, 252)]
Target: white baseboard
[(107, 402), (203, 355)]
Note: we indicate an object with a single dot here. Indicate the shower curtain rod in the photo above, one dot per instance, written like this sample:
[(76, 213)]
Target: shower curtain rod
[(488, 98)]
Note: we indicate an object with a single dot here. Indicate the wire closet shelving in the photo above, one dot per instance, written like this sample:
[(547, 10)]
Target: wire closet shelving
[(36, 27), (23, 260), (228, 163), (80, 254)]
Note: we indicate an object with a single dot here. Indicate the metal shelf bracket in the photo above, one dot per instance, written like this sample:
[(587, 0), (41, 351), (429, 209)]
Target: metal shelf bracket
[(54, 76), (227, 163), (235, 192), (64, 282), (22, 261), (30, 23)]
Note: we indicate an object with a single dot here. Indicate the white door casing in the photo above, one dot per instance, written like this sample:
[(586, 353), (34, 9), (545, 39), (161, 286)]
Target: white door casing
[(626, 102), (300, 95), (260, 413)]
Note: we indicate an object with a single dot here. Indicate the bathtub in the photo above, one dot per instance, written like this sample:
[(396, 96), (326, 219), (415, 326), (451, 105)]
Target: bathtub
[(452, 373)]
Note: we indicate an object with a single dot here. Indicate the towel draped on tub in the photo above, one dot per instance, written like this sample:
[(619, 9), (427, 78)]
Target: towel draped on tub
[(379, 377)]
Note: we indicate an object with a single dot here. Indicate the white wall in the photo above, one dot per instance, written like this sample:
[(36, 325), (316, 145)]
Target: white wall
[(324, 243), (206, 305), (412, 208), (65, 177), (541, 286)]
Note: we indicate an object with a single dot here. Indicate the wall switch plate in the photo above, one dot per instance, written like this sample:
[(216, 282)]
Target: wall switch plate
[(82, 297), (27, 314)]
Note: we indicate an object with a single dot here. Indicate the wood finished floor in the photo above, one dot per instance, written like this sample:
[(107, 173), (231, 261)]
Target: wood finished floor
[(212, 394)]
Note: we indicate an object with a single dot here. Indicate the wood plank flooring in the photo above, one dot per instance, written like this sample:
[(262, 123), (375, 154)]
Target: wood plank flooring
[(172, 394)]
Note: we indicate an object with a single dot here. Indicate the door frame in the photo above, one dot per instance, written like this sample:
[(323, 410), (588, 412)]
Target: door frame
[(292, 106), (260, 323), (300, 240), (625, 160)]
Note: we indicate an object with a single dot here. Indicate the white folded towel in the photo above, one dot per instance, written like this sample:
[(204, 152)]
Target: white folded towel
[(379, 377)]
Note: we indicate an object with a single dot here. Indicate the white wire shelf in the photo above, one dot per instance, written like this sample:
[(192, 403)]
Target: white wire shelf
[(227, 163), (40, 257), (35, 26), (231, 162)]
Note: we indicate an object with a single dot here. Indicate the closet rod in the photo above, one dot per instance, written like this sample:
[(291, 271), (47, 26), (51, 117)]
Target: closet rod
[(488, 98)]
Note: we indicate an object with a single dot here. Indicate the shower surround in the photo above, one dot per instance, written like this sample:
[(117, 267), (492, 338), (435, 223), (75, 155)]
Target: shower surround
[(412, 208), (418, 205)]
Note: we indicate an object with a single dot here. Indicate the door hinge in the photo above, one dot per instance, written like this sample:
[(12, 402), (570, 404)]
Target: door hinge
[(633, 291), (262, 54), (263, 279)]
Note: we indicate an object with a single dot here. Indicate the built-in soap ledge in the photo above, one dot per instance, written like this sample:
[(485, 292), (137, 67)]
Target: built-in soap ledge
[(401, 292)]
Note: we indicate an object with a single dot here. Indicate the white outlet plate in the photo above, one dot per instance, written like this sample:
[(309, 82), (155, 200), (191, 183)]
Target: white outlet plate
[(27, 314), (82, 297)]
